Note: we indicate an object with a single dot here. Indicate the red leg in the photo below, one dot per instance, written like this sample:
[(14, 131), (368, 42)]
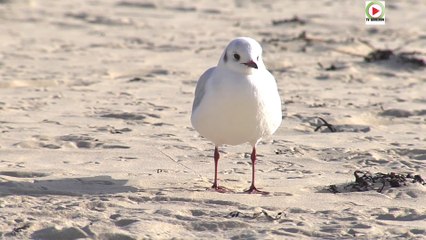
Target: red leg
[(216, 161), (253, 188)]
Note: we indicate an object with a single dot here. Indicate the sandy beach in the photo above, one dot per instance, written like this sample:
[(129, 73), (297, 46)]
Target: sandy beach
[(96, 139)]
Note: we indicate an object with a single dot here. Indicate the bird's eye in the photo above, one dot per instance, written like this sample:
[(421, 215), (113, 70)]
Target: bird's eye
[(236, 56), (257, 58)]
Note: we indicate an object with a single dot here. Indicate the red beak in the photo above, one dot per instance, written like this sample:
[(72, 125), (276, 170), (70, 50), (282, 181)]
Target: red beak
[(251, 64)]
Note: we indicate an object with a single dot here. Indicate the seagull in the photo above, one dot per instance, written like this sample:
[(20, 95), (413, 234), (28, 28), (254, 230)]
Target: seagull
[(237, 102)]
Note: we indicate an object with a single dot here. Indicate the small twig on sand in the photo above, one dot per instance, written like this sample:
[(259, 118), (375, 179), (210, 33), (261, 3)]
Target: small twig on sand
[(326, 124), (365, 42), (295, 19), (302, 36)]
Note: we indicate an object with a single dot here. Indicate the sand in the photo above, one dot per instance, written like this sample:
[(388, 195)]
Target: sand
[(96, 141)]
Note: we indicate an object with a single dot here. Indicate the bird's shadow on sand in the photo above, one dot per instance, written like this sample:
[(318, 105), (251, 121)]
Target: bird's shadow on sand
[(97, 185)]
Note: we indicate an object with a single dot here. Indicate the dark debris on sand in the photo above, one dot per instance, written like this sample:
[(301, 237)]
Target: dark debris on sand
[(256, 215), (332, 67), (412, 59), (294, 19), (18, 230), (325, 124), (402, 57), (366, 181), (339, 128)]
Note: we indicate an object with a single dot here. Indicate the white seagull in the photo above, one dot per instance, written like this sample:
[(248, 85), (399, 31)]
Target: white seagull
[(237, 102)]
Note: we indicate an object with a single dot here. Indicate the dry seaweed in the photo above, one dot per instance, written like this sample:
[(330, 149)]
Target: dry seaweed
[(235, 214), (378, 55), (366, 181)]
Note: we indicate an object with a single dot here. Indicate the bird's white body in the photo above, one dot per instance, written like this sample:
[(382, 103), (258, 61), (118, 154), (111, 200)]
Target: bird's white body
[(238, 108)]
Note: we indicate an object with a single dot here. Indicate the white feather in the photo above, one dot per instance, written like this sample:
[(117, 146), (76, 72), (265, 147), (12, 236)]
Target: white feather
[(235, 104)]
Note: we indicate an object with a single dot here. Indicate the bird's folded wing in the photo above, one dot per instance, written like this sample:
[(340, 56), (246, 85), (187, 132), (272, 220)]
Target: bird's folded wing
[(200, 89)]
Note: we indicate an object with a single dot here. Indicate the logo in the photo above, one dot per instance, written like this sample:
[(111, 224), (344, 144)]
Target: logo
[(375, 12)]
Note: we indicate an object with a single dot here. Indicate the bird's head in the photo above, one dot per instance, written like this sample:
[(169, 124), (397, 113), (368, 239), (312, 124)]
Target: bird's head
[(242, 55)]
